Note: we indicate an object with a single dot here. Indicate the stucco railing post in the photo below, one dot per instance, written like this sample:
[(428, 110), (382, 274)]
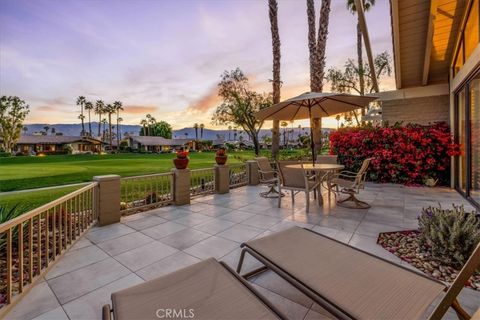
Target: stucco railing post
[(108, 199), (252, 173), (181, 186), (222, 179)]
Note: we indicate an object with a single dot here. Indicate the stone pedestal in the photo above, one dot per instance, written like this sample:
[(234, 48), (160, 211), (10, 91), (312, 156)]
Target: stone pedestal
[(181, 186), (222, 179), (252, 173), (108, 199)]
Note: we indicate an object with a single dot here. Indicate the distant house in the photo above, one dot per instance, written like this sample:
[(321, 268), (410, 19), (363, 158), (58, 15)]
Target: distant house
[(56, 144), (158, 144)]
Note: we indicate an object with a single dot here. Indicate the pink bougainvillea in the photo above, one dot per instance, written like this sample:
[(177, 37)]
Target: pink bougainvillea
[(402, 154)]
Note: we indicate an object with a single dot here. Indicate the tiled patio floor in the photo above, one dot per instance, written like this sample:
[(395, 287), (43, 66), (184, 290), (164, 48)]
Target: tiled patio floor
[(154, 243)]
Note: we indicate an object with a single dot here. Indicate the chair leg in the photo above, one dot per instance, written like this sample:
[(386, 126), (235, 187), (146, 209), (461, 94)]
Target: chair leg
[(461, 313), (358, 203), (307, 196), (293, 196), (279, 197)]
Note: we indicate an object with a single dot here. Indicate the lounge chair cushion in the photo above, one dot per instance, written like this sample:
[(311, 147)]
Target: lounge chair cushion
[(362, 285), (207, 288)]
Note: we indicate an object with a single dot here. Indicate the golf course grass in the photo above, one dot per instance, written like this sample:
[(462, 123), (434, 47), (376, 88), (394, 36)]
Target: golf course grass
[(20, 173)]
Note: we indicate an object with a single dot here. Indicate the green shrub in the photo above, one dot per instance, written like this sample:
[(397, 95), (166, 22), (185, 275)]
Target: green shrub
[(68, 148), (449, 235), (8, 213), (4, 154)]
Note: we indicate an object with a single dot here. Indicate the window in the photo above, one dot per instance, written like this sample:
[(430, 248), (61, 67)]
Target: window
[(474, 88)]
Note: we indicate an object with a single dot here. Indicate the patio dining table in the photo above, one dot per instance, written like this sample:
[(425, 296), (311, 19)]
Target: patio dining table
[(317, 168)]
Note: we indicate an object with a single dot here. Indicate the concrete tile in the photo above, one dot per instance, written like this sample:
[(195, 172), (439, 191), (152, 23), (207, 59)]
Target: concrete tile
[(184, 238), (214, 226), (212, 247), (171, 263), (286, 224), (38, 301), (74, 284), (262, 222), (340, 235), (76, 260), (143, 256), (215, 211), (99, 234), (145, 222), (163, 230), (90, 305), (124, 243), (240, 233), (55, 314), (192, 219), (81, 243), (173, 213), (370, 245), (373, 229), (237, 216)]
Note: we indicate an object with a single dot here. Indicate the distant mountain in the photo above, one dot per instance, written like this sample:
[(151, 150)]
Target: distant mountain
[(208, 134)]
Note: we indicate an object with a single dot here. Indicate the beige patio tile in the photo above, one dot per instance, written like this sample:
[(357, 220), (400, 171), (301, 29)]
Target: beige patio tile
[(74, 284), (214, 226), (124, 243), (163, 230), (145, 222), (212, 247), (39, 300), (169, 264), (370, 245), (184, 238), (99, 234), (240, 233), (55, 314), (237, 216), (192, 219), (262, 222), (140, 257)]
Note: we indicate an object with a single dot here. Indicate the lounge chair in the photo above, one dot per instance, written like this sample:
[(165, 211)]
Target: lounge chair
[(350, 183), (296, 181), (268, 177), (351, 283), (206, 290)]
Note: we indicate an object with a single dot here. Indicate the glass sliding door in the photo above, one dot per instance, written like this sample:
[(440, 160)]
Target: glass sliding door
[(474, 88), (462, 140)]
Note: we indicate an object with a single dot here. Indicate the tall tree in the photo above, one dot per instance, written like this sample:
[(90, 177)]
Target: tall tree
[(284, 124), (89, 107), (99, 109), (25, 130), (46, 128), (240, 104), (144, 123), (229, 131), (195, 126), (53, 131), (163, 129), (117, 106), (13, 112), (202, 126), (109, 110), (367, 4), (276, 82), (81, 102), (317, 47)]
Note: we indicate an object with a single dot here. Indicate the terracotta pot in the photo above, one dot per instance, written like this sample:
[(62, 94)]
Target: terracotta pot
[(181, 163), (221, 160)]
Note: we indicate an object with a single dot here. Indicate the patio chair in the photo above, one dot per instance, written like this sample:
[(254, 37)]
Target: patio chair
[(325, 176), (330, 159), (350, 183), (269, 177), (351, 283), (206, 290), (297, 181)]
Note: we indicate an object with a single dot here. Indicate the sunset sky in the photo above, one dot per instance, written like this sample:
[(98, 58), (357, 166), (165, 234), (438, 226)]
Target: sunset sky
[(161, 57)]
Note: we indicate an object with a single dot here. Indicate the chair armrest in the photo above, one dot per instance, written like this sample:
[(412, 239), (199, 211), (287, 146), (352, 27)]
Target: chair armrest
[(106, 312)]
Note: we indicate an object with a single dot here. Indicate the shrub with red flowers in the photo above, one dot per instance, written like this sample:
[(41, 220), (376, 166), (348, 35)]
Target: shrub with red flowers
[(407, 154)]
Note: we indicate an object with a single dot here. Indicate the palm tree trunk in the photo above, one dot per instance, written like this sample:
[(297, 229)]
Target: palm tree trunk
[(83, 123), (89, 123), (99, 124), (360, 64), (118, 131), (322, 45), (312, 42), (110, 129), (273, 14)]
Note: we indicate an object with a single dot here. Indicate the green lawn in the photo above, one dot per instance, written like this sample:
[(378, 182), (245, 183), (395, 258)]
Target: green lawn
[(18, 173)]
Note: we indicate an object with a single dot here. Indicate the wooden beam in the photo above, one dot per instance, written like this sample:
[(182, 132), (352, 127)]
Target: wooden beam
[(366, 39), (429, 41), (396, 43)]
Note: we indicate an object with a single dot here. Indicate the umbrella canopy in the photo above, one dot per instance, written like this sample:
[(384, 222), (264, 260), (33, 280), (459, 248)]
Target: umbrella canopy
[(314, 105)]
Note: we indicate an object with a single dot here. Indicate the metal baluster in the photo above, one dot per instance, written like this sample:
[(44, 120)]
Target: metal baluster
[(39, 243), (30, 250), (54, 233), (20, 257), (9, 265), (47, 237)]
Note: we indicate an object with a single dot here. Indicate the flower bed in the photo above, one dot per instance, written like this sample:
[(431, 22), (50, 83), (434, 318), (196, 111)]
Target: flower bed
[(405, 245), (402, 154)]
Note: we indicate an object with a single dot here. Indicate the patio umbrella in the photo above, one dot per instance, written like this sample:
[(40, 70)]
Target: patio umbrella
[(314, 105)]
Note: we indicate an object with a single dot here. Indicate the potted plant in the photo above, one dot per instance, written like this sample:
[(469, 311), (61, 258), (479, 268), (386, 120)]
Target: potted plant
[(181, 161), (221, 156)]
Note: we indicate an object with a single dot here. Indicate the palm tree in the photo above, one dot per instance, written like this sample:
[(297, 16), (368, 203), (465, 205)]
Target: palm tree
[(89, 107), (151, 126), (46, 129), (235, 134), (109, 109), (117, 105), (229, 131), (104, 123), (367, 4), (119, 131), (144, 123), (276, 82), (195, 126), (53, 131), (25, 129), (99, 109), (284, 124), (202, 126), (81, 102)]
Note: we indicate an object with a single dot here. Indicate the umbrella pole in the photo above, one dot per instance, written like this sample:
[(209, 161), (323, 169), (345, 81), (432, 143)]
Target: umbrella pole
[(312, 144)]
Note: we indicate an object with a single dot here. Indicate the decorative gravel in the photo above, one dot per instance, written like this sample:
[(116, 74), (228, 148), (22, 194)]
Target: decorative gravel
[(404, 244)]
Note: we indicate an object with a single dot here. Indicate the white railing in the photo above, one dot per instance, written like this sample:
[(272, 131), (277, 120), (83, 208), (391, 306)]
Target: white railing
[(202, 181), (31, 242), (140, 193), (237, 175)]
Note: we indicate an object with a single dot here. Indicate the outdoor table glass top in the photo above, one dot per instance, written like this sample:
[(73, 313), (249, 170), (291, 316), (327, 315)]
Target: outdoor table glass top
[(317, 166)]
